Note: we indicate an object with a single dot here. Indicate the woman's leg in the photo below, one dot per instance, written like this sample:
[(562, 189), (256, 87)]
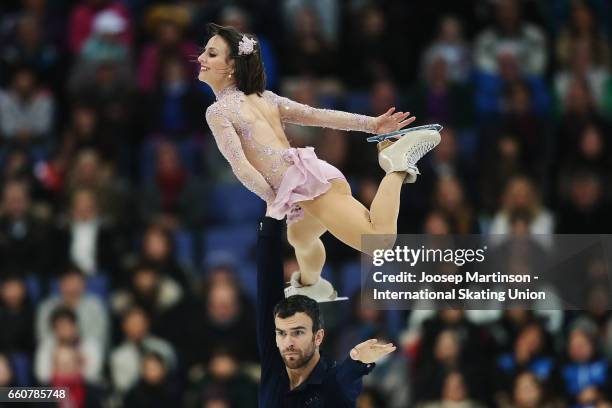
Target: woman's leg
[(304, 236), (347, 219)]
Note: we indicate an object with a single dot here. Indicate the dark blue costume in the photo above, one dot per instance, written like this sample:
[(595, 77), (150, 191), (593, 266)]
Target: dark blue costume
[(329, 385)]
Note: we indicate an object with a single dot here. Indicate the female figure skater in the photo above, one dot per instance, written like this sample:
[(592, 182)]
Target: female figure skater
[(246, 122)]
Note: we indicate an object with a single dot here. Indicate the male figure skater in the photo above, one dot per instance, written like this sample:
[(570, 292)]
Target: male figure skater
[(290, 332)]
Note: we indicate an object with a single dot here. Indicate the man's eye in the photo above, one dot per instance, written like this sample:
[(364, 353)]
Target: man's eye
[(299, 332), (213, 55)]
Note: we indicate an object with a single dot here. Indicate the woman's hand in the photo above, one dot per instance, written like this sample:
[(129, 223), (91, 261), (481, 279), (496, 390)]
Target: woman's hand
[(370, 351), (390, 121)]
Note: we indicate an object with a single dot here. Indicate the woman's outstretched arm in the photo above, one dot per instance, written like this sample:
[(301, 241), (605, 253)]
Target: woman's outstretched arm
[(230, 146), (301, 114)]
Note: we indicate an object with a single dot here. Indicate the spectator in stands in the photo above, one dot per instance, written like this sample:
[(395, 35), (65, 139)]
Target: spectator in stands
[(511, 30), (436, 223), (221, 325), (87, 239), (520, 193), (529, 392), (579, 113), (156, 388), (23, 234), (82, 19), (503, 162), (32, 48), (104, 43), (382, 93), (508, 327), (66, 333), (167, 24), (586, 373), (226, 377), (448, 356), (160, 296), (370, 50), (532, 351), (450, 45), (455, 392), (491, 88), (307, 52), (530, 132), (70, 369), (172, 198), (89, 309), (437, 98), (371, 398), (176, 104), (158, 250), (585, 210), (84, 134), (582, 66), (112, 199), (215, 402), (7, 378), (333, 147), (449, 198), (446, 160), (582, 28), (16, 317), (26, 110), (126, 359)]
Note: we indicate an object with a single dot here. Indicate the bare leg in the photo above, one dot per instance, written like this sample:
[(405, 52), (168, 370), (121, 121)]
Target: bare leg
[(347, 219), (304, 236)]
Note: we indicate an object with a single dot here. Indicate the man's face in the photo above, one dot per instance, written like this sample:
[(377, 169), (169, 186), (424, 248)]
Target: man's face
[(295, 340)]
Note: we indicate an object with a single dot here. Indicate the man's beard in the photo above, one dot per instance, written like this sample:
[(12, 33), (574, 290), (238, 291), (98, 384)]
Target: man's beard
[(300, 359)]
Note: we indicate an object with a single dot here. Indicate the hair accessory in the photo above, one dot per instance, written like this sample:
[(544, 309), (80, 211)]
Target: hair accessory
[(246, 45)]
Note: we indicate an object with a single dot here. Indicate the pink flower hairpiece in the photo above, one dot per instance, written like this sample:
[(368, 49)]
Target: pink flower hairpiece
[(246, 46)]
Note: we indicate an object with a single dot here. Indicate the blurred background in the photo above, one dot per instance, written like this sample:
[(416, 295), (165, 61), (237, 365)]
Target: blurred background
[(127, 246)]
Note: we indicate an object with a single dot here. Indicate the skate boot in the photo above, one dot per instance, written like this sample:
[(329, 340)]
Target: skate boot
[(404, 153), (321, 291)]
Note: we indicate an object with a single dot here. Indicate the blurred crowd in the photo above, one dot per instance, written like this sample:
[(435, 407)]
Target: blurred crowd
[(127, 246)]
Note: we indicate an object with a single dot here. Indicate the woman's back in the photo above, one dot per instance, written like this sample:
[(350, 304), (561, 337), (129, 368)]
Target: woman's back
[(249, 132)]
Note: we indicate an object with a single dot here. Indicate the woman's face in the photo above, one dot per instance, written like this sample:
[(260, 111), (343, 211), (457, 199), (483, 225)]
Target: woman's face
[(450, 195), (454, 388), (527, 393), (214, 64), (580, 348), (581, 16), (156, 245), (520, 194), (6, 374)]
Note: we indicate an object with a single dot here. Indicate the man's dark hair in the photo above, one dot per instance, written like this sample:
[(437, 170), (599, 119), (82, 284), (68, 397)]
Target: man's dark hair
[(69, 269), (63, 312), (248, 69), (300, 303)]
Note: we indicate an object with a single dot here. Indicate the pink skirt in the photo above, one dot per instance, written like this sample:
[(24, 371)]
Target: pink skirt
[(308, 177)]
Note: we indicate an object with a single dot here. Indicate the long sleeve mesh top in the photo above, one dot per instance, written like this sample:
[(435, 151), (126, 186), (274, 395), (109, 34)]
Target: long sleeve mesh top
[(260, 167)]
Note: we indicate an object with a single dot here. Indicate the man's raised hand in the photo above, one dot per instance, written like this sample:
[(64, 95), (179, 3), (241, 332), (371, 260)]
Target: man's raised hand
[(370, 351)]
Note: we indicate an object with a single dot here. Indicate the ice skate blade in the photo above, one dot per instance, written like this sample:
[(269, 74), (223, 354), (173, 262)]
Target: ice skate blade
[(403, 132), (337, 299)]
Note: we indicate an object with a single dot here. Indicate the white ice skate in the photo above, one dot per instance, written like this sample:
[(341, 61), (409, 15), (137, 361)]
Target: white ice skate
[(321, 291), (410, 147)]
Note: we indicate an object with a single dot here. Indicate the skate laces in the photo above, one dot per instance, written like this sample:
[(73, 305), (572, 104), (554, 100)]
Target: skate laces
[(418, 151)]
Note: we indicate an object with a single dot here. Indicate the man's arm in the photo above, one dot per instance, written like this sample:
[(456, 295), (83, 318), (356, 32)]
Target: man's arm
[(269, 287), (359, 363)]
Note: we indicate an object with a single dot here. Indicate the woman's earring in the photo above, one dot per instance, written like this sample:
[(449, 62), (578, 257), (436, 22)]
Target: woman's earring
[(230, 75)]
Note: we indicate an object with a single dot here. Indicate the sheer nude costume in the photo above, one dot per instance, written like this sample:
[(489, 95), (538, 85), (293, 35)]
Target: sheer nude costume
[(313, 195)]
